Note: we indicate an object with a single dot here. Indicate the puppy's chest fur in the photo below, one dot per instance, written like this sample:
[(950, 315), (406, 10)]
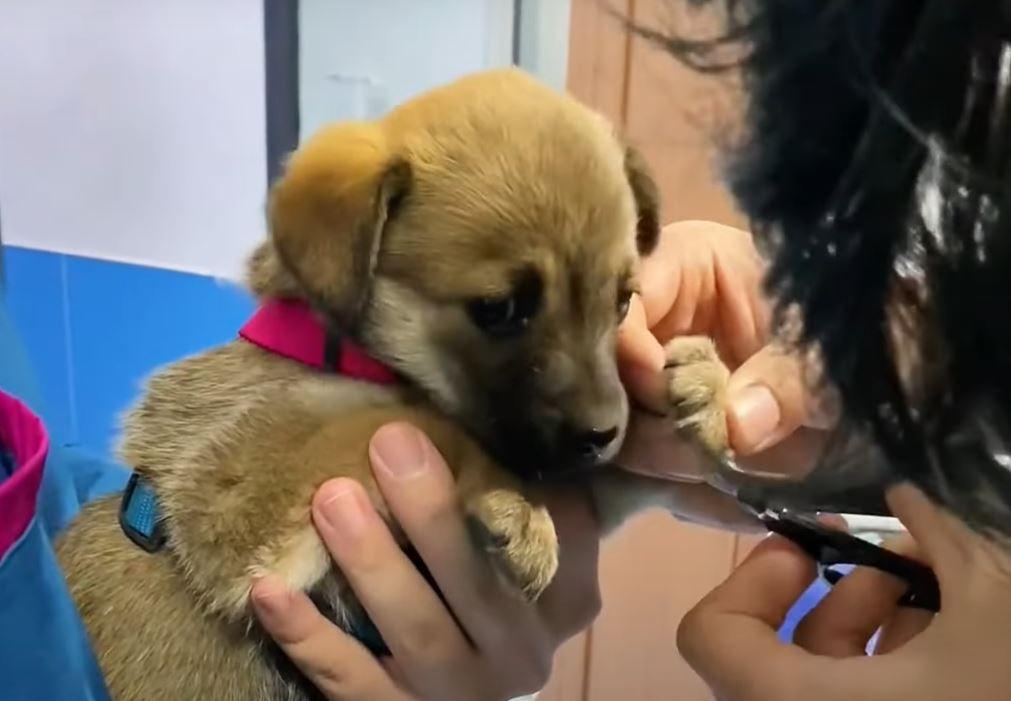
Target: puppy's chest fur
[(225, 437), (236, 441)]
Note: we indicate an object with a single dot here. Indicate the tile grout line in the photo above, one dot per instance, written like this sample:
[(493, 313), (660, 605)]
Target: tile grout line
[(69, 354)]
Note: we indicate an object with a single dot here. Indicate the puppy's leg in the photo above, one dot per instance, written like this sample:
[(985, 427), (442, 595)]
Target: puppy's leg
[(697, 382), (518, 534)]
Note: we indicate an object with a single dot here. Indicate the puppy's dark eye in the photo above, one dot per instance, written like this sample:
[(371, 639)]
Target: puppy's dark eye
[(502, 317), (624, 300), (497, 317)]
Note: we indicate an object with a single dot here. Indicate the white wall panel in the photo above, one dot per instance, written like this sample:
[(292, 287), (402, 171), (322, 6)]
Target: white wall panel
[(134, 129), (362, 57)]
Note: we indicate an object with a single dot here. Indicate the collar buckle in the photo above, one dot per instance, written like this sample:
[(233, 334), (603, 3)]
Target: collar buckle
[(139, 515)]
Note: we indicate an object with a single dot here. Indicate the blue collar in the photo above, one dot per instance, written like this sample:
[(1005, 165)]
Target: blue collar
[(139, 516)]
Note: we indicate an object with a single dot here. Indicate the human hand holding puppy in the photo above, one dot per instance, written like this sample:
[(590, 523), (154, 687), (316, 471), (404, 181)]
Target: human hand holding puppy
[(706, 279), (483, 643)]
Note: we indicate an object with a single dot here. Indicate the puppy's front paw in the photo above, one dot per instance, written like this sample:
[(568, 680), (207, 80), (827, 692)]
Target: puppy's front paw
[(697, 382), (520, 536)]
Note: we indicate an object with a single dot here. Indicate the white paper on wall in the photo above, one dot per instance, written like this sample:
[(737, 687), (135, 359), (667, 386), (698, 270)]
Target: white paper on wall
[(359, 59), (134, 130)]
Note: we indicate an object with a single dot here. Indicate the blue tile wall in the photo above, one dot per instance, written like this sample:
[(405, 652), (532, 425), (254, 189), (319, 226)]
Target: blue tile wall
[(95, 329), (35, 301)]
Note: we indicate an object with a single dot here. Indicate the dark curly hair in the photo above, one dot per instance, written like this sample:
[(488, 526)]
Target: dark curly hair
[(875, 165)]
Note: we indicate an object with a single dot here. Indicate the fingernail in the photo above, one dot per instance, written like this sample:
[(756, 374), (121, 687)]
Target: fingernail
[(399, 451), (342, 510), (756, 415)]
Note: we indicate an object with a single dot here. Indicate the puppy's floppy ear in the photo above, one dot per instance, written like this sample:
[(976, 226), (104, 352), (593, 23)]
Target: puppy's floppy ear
[(328, 213), (267, 277), (647, 200)]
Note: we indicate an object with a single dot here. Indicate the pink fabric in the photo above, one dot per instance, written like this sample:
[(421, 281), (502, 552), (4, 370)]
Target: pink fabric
[(290, 328), (23, 436)]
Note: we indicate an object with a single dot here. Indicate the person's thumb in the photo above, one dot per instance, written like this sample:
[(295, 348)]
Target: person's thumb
[(768, 399), (730, 637)]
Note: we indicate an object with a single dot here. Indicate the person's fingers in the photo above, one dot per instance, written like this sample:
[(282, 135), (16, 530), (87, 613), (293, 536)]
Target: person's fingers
[(758, 415), (902, 627), (706, 321), (730, 637), (907, 622), (761, 312), (846, 618), (641, 360), (660, 279), (336, 664), (768, 400), (863, 602), (762, 306), (413, 620), (397, 674), (678, 281), (969, 565), (767, 584), (945, 542), (695, 286), (418, 488), (737, 322)]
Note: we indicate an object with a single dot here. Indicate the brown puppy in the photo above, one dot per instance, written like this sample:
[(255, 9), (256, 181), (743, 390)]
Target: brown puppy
[(482, 240)]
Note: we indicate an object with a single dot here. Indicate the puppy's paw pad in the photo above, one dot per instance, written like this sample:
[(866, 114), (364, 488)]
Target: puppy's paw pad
[(520, 536), (697, 385)]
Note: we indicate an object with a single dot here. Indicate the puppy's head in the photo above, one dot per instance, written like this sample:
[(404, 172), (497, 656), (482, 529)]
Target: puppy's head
[(483, 240)]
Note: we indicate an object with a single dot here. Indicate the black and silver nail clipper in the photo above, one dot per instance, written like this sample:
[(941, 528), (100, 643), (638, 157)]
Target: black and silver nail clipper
[(790, 511), (830, 547)]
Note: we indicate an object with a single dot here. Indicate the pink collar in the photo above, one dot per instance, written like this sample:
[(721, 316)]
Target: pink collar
[(290, 328)]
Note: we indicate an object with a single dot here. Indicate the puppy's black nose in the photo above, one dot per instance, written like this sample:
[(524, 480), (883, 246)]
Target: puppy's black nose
[(589, 444)]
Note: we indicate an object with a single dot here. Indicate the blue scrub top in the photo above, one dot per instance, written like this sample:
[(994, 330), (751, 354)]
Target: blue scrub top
[(44, 650)]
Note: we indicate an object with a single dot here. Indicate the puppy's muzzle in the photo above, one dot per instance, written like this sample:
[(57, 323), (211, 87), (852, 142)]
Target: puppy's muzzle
[(588, 445)]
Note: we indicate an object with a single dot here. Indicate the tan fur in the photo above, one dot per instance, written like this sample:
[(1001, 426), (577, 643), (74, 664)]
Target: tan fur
[(698, 390), (388, 229)]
